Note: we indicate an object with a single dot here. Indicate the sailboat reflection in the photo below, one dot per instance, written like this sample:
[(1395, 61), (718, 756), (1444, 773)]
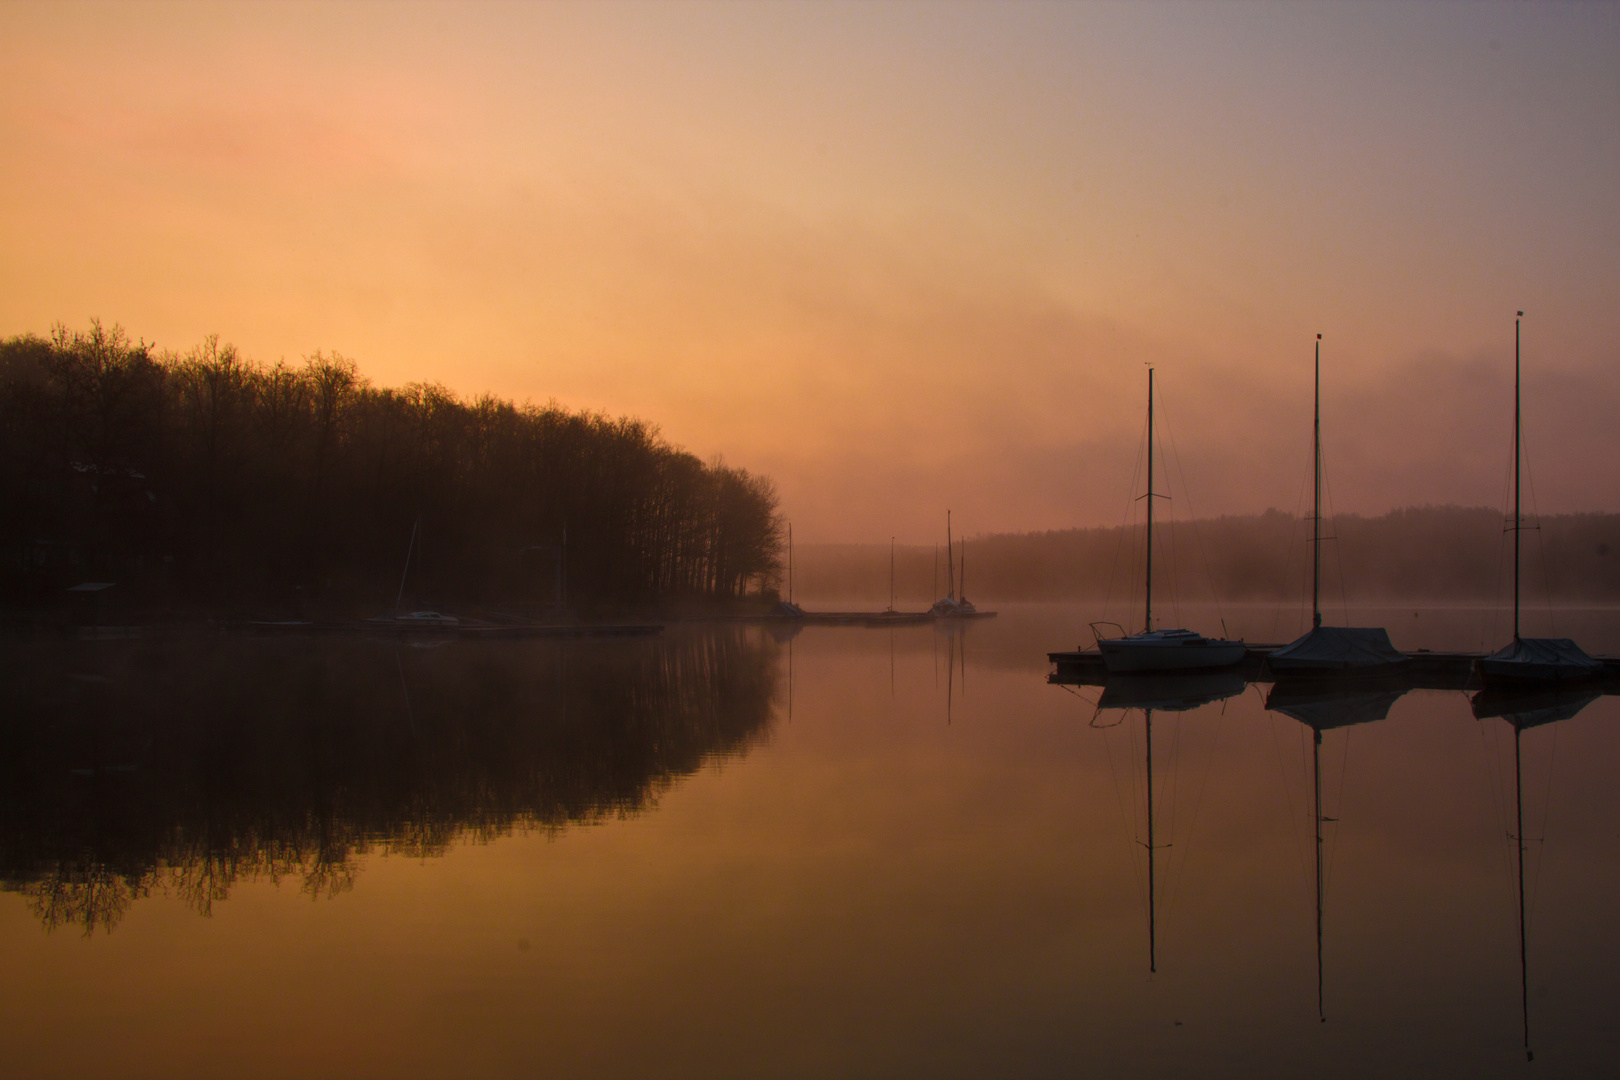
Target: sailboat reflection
[(955, 634), (1524, 709), (1169, 693), (1162, 693), (1323, 706)]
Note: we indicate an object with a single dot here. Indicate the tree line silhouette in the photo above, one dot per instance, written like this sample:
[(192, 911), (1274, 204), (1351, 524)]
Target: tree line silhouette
[(206, 477)]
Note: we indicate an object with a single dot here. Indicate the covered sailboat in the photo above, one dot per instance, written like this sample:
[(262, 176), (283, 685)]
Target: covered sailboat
[(1530, 660), (1330, 651), (1164, 649)]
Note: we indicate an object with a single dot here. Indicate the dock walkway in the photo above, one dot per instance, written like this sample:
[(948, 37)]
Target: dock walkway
[(1424, 670)]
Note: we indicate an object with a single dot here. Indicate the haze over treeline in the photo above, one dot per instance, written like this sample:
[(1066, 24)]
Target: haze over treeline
[(1442, 553), (206, 477)]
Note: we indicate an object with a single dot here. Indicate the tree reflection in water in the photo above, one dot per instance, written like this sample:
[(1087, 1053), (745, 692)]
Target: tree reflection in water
[(187, 767)]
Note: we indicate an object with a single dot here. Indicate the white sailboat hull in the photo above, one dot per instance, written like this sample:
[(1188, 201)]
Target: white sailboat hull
[(1169, 650)]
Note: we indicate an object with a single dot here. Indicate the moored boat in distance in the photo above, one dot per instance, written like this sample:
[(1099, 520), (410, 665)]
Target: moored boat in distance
[(1163, 649), (1531, 660), (1330, 651), (955, 605)]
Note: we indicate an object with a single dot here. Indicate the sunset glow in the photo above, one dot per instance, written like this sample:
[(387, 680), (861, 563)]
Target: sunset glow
[(897, 257)]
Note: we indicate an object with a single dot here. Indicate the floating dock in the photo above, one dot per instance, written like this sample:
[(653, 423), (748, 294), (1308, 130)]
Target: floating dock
[(1424, 669)]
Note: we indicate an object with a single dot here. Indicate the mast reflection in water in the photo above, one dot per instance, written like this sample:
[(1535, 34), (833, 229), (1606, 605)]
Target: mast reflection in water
[(190, 767), (905, 881), (1323, 706), (1525, 708)]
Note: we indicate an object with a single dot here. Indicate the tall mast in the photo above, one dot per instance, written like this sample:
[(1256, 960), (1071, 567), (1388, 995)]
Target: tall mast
[(1316, 487), (1148, 616), (404, 573), (891, 573), (963, 579), (790, 562), (950, 558), (1518, 519)]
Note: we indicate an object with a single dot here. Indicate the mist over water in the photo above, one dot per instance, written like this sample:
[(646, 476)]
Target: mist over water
[(467, 341)]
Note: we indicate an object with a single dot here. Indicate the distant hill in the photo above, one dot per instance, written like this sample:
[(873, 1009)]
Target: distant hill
[(1441, 553)]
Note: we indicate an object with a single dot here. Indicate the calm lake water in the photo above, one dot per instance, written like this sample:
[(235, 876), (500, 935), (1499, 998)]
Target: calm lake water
[(728, 853)]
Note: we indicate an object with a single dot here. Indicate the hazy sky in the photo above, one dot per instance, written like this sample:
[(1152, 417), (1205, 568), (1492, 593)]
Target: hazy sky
[(898, 256)]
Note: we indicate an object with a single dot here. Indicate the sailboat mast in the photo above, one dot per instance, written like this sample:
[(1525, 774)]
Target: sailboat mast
[(1518, 519), (1153, 939), (891, 573), (950, 558), (790, 562), (963, 579), (411, 547), (1148, 613), (1316, 487)]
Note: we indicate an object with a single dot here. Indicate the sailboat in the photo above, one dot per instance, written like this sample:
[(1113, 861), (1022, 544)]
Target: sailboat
[(1531, 660), (1330, 651), (955, 604), (1527, 708), (1163, 650)]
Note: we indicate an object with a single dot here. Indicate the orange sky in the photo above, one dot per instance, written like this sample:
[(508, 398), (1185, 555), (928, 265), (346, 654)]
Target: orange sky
[(899, 257)]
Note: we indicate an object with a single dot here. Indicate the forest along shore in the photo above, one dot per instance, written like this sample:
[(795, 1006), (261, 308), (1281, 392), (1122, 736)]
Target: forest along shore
[(203, 483)]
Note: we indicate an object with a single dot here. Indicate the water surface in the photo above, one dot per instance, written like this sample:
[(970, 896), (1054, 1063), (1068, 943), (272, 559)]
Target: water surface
[(731, 852)]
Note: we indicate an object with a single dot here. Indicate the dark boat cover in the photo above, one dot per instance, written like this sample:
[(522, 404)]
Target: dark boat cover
[(1337, 648), (1539, 660)]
